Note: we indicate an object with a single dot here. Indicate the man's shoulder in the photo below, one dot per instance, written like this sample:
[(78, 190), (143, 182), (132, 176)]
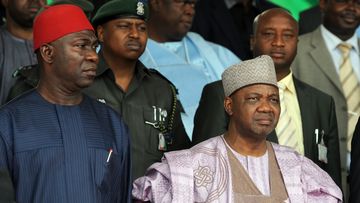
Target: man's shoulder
[(310, 90), (158, 82), (284, 153), (157, 77), (214, 85), (100, 107), (214, 88), (306, 37), (198, 39), (209, 149), (309, 40), (30, 72), (20, 104)]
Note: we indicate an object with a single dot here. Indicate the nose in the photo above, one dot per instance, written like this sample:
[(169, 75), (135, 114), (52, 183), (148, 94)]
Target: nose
[(189, 8), (92, 56), (265, 107), (134, 32), (278, 41)]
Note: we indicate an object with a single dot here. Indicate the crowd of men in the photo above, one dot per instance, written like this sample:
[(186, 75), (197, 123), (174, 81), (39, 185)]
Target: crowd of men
[(130, 101)]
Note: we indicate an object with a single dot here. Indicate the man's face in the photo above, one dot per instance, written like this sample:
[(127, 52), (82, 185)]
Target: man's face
[(177, 17), (125, 37), (341, 16), (254, 109), (23, 12), (277, 36), (75, 59)]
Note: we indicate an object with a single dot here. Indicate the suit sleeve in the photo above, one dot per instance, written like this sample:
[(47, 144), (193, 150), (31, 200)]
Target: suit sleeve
[(6, 187), (333, 154), (210, 118), (355, 166)]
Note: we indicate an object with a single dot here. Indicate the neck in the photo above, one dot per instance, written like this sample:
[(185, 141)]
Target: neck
[(57, 94), (123, 70), (245, 145), (154, 34), (19, 31), (343, 34), (159, 34), (282, 73)]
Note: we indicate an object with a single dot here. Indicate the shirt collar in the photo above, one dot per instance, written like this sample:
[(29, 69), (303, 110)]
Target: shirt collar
[(332, 41), (140, 72), (288, 82)]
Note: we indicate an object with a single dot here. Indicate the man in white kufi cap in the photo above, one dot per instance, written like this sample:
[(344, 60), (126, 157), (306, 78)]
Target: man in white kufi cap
[(240, 165)]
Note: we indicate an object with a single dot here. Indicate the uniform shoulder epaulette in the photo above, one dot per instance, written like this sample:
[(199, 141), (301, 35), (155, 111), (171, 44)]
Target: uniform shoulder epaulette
[(26, 71), (156, 72)]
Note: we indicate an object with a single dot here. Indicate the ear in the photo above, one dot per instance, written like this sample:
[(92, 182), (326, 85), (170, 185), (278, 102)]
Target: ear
[(100, 33), (228, 105), (252, 41), (47, 53)]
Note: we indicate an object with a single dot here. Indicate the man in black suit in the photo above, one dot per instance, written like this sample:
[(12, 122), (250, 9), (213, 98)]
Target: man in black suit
[(228, 23), (354, 177), (312, 111)]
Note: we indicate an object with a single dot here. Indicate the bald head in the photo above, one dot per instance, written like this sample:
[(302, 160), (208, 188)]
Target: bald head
[(269, 14), (276, 35)]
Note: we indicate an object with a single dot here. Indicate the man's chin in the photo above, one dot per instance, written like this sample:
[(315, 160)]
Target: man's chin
[(86, 84)]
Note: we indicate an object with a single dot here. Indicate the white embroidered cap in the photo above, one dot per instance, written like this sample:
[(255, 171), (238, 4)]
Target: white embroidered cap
[(260, 70)]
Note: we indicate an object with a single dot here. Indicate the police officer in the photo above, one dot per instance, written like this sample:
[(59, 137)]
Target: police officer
[(146, 100)]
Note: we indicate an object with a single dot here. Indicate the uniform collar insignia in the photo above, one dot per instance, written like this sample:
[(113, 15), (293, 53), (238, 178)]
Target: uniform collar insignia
[(102, 101)]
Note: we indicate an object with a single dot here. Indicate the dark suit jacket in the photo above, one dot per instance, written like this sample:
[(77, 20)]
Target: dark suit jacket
[(7, 193), (317, 112), (354, 177), (214, 22), (313, 65)]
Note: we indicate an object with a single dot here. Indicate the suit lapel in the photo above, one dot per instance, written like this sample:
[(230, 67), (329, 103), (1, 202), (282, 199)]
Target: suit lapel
[(322, 57)]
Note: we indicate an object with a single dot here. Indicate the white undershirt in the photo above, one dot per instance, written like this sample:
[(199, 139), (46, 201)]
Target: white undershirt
[(257, 168)]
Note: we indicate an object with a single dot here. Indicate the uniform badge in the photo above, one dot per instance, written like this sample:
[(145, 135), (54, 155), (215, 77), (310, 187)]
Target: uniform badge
[(140, 9), (102, 101)]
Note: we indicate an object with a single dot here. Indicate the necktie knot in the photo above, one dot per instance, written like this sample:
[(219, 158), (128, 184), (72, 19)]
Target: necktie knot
[(345, 48)]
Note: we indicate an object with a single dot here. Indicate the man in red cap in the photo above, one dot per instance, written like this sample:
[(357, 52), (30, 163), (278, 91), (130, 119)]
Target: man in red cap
[(58, 144)]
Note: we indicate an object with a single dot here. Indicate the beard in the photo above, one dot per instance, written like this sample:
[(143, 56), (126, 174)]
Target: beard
[(24, 22)]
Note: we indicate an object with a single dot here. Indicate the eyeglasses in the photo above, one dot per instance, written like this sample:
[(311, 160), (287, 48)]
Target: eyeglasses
[(356, 2)]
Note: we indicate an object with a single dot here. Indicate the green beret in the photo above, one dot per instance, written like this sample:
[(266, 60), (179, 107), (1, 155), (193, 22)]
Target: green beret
[(85, 5), (121, 8)]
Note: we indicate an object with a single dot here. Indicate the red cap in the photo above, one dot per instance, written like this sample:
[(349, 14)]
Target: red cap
[(57, 21)]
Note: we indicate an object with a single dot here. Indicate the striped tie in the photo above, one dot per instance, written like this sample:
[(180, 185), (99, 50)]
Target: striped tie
[(351, 89), (286, 129)]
